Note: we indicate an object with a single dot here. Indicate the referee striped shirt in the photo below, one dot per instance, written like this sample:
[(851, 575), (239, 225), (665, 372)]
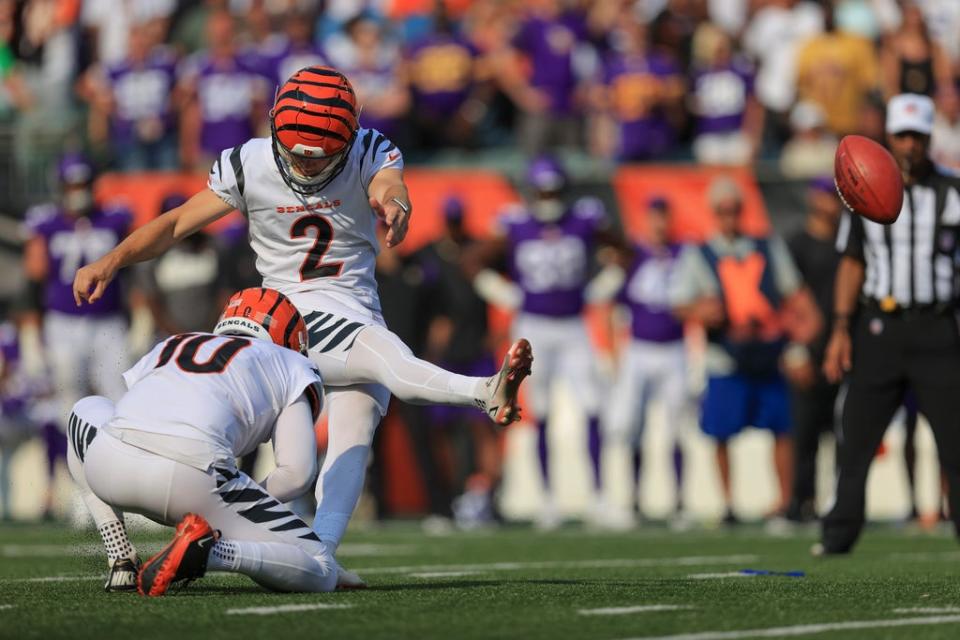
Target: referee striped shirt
[(914, 260)]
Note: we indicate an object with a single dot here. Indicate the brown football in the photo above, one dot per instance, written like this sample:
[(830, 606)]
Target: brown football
[(868, 179)]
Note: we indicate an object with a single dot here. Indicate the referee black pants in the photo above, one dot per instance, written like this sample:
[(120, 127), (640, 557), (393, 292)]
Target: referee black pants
[(891, 353)]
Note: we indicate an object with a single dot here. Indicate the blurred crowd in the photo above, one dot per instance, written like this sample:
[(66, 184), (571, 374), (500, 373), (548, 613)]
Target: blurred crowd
[(165, 85)]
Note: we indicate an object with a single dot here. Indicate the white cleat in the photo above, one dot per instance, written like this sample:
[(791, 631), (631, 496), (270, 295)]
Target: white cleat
[(502, 404), (123, 575), (347, 580)]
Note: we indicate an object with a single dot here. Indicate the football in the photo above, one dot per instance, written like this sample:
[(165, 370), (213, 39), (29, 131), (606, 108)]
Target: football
[(868, 179)]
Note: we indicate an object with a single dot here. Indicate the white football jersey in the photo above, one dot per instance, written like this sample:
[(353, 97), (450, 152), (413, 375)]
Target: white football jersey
[(200, 398), (323, 242)]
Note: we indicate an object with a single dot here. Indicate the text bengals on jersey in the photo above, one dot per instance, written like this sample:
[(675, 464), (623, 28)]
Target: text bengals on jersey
[(300, 208)]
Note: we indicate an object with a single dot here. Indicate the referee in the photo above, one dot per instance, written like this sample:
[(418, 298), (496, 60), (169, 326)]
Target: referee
[(903, 334)]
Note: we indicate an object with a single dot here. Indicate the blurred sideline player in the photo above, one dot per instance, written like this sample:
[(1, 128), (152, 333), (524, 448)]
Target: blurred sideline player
[(167, 450), (748, 295), (549, 246), (460, 341), (83, 348), (313, 193), (654, 364)]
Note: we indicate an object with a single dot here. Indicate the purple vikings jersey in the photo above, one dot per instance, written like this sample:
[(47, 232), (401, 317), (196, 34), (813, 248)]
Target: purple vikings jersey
[(72, 243), (720, 96), (441, 73), (12, 399), (550, 45), (633, 81), (646, 294), (141, 93), (227, 92), (551, 262)]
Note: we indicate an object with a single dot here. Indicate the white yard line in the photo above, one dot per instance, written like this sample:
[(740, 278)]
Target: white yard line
[(806, 629), (615, 563), (926, 556), (146, 550), (466, 569), (640, 608), (4, 607), (286, 608), (927, 610), (718, 576), (65, 550), (56, 579), (357, 549), (445, 574)]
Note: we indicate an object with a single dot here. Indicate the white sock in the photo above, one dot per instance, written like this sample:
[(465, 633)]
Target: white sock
[(354, 416), (224, 556), (378, 355), (115, 541), (276, 565)]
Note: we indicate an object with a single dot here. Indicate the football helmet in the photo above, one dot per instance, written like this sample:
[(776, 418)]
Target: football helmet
[(547, 179), (75, 175), (264, 313), (314, 125)]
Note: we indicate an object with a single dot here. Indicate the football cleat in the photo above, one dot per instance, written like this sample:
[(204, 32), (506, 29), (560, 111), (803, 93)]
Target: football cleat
[(502, 404), (185, 558), (123, 575), (348, 580)]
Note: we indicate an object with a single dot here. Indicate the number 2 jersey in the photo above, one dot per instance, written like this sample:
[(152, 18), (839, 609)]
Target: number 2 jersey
[(200, 399), (323, 242)]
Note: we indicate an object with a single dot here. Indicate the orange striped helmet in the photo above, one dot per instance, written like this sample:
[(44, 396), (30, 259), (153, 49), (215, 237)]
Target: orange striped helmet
[(314, 124), (266, 314)]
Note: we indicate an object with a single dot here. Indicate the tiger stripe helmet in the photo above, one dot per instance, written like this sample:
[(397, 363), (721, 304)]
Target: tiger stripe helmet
[(314, 125), (267, 314)]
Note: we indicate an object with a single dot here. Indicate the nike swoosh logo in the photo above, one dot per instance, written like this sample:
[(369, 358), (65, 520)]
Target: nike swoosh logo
[(392, 157)]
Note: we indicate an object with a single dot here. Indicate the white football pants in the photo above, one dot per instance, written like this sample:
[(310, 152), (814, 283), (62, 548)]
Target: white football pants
[(259, 536), (362, 363)]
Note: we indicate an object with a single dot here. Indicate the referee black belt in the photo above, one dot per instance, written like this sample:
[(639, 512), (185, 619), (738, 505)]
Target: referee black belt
[(890, 307)]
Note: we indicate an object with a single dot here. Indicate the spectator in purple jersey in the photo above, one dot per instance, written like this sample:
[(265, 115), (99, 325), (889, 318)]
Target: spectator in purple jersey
[(449, 84), (544, 86), (640, 95), (373, 65), (132, 106), (653, 365), (550, 247), (223, 97), (728, 118), (85, 347)]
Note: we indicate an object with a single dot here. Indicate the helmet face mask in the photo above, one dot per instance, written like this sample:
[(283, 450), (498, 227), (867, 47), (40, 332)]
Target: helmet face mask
[(308, 175), (313, 125)]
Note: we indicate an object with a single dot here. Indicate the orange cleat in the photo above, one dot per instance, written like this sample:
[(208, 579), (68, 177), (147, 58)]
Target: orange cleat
[(185, 558)]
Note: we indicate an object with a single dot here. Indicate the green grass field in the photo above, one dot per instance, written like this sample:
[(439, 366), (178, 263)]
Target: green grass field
[(513, 583)]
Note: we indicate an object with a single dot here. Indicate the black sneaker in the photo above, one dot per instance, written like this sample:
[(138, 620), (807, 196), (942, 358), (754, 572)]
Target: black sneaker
[(123, 575), (185, 558)]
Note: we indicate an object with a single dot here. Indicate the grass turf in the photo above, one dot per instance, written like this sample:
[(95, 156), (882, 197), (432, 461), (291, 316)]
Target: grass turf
[(510, 583)]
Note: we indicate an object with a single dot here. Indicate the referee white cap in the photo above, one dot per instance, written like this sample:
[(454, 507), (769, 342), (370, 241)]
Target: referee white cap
[(910, 112)]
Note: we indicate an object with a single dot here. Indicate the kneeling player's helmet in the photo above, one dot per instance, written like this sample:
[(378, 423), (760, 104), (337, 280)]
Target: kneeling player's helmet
[(266, 314), (314, 125)]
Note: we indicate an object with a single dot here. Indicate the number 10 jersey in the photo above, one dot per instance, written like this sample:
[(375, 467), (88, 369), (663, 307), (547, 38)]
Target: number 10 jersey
[(322, 242), (200, 398)]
